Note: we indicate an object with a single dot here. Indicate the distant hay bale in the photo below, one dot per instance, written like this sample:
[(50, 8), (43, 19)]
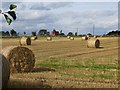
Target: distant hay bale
[(71, 38), (84, 38), (4, 64), (49, 38), (25, 41), (87, 36), (95, 36), (21, 59), (33, 37), (68, 37), (93, 43)]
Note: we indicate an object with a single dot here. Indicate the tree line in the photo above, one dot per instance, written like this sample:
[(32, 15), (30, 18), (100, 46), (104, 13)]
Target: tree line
[(44, 32)]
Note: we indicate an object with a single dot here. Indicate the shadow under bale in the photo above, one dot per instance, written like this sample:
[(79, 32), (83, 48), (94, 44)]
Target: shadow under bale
[(42, 69), (27, 83)]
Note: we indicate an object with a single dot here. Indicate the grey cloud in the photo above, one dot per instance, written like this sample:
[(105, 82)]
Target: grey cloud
[(48, 5)]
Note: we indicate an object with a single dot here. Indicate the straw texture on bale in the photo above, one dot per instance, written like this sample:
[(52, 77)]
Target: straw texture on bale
[(85, 38), (68, 37), (33, 37), (71, 38), (25, 41), (21, 59), (49, 38), (93, 43), (5, 70)]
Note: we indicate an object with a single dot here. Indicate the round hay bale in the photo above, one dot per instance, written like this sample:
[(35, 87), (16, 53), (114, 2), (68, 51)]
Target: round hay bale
[(4, 64), (49, 38), (71, 38), (85, 38), (19, 57), (25, 41), (95, 36), (68, 37), (93, 43), (33, 37)]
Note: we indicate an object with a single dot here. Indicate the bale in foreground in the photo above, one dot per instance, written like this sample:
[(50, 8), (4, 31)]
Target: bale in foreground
[(5, 71), (21, 59), (25, 41), (93, 43)]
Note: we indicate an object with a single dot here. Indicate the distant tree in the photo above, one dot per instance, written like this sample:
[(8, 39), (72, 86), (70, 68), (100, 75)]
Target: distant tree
[(48, 33), (13, 32), (7, 33), (89, 34), (61, 33), (55, 32), (34, 34), (70, 34), (24, 33), (42, 32), (114, 33), (75, 33)]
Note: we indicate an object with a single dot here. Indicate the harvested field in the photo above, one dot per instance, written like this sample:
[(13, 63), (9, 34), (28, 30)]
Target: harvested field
[(64, 63)]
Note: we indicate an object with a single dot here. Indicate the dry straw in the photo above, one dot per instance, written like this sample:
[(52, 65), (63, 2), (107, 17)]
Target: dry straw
[(93, 43), (33, 37), (21, 59), (49, 38), (25, 40), (5, 70), (71, 38)]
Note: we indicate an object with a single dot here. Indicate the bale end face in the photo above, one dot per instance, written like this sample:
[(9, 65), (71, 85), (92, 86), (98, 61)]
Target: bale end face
[(21, 59)]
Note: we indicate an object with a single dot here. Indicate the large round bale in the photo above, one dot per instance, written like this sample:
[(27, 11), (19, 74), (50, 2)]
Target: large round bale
[(49, 38), (21, 59), (68, 37), (4, 65), (25, 41), (33, 37), (84, 38), (93, 43), (71, 38)]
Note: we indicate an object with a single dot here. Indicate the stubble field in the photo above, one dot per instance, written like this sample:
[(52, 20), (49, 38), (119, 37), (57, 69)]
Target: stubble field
[(63, 63)]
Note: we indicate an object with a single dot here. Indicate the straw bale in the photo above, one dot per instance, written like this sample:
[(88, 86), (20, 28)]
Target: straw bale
[(18, 57), (93, 43), (25, 40), (49, 38)]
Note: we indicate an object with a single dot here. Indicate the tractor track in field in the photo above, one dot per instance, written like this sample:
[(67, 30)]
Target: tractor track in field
[(83, 53), (72, 82)]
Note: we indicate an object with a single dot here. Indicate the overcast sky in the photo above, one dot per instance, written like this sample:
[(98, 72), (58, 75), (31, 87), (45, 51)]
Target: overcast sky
[(65, 16)]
